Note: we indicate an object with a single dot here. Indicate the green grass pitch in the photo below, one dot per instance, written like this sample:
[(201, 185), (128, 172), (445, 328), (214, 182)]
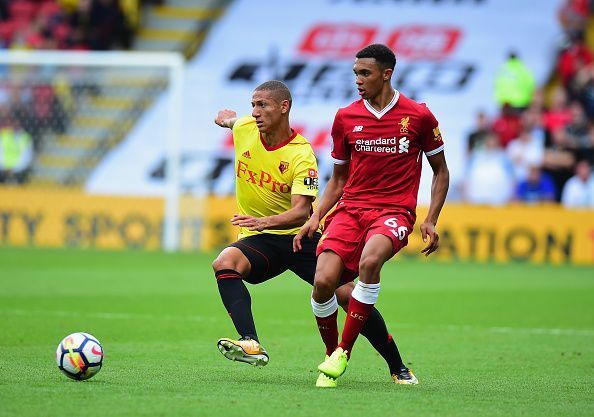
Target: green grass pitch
[(483, 339)]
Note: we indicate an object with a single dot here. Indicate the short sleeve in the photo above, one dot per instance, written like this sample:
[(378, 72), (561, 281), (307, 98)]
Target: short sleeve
[(341, 151), (305, 180), (431, 140), (240, 126)]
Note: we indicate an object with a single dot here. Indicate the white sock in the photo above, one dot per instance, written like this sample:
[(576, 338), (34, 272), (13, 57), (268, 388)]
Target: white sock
[(324, 309), (366, 293)]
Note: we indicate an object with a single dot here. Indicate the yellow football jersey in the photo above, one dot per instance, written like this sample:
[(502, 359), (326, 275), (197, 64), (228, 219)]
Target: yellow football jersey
[(267, 177)]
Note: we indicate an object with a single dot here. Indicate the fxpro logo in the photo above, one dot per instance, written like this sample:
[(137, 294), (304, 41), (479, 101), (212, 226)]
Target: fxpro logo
[(261, 179), (413, 41)]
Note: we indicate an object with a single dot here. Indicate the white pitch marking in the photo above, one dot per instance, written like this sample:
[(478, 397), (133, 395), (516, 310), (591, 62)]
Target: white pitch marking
[(448, 327)]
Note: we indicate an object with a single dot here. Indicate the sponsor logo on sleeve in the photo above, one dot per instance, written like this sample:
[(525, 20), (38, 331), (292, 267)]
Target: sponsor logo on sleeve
[(311, 181), (437, 134)]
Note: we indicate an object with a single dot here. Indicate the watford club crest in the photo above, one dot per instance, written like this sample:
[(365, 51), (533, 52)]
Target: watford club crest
[(283, 166)]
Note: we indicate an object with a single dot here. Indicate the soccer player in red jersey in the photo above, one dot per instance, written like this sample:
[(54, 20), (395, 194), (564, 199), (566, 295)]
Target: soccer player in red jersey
[(378, 145)]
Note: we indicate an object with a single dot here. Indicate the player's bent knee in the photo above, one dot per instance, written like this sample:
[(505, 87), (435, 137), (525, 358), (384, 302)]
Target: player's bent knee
[(324, 286), (370, 264), (224, 261), (220, 263), (232, 258)]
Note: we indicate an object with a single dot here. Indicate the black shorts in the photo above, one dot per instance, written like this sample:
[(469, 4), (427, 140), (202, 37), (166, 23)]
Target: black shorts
[(271, 255)]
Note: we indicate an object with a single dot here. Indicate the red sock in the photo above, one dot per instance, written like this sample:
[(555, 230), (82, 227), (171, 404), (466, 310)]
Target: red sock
[(329, 331), (356, 317)]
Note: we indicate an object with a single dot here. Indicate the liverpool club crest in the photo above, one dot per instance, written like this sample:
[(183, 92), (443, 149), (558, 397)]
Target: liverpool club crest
[(404, 122)]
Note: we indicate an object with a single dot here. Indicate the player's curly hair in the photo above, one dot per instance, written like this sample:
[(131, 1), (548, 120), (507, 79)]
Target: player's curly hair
[(279, 90), (381, 53)]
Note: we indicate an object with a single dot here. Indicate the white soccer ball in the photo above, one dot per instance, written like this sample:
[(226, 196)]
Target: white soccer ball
[(79, 356)]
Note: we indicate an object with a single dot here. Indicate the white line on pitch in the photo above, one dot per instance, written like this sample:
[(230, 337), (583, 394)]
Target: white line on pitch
[(107, 316), (298, 322)]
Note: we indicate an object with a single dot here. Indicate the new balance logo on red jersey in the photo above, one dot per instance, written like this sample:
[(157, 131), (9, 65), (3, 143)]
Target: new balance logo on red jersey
[(357, 128), (403, 145), (247, 155)]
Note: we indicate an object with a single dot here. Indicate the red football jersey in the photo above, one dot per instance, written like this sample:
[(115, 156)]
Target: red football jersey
[(384, 151)]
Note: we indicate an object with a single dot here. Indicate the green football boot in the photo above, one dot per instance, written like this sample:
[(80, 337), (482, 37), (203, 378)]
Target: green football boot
[(335, 365)]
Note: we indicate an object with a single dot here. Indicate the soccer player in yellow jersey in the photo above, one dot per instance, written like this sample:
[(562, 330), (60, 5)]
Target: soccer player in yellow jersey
[(276, 183)]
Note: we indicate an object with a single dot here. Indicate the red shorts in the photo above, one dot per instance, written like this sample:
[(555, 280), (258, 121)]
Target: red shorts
[(347, 230)]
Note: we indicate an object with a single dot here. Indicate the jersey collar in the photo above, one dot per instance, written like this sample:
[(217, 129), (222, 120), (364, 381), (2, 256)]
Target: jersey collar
[(280, 145), (386, 109)]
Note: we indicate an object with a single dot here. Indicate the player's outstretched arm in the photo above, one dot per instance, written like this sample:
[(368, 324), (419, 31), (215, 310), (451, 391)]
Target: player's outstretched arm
[(226, 118), (439, 190), (330, 197), (294, 217)]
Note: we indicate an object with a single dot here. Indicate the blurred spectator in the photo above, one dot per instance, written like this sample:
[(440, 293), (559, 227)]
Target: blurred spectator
[(100, 24), (587, 152), (573, 58), (67, 24), (489, 176), (579, 189), (38, 110), (558, 115), (537, 187), (476, 138), (514, 84), (16, 152), (524, 152), (573, 16), (559, 160), (577, 128), (538, 101), (532, 121), (583, 85), (507, 126)]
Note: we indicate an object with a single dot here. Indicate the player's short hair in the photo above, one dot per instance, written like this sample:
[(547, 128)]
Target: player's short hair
[(279, 90), (381, 53)]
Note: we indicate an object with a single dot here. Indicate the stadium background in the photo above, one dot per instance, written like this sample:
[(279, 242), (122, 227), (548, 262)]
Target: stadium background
[(84, 167), (104, 131)]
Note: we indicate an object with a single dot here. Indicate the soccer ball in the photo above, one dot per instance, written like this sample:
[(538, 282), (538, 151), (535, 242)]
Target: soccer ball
[(79, 356)]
